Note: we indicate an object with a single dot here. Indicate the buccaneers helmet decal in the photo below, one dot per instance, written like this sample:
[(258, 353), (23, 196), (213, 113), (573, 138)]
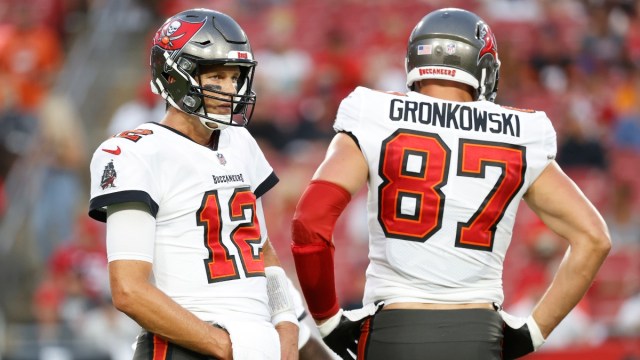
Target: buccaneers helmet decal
[(489, 41), (174, 34)]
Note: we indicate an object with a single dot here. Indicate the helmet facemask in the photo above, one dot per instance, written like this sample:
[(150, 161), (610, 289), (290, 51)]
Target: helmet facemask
[(241, 102)]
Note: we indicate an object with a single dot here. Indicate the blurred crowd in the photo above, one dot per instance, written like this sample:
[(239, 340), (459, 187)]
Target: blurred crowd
[(577, 60)]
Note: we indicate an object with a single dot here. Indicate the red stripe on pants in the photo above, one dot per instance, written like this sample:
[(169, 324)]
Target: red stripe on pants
[(160, 347), (364, 337)]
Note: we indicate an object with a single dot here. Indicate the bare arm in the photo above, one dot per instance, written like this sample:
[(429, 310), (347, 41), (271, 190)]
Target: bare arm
[(270, 256), (135, 296), (564, 209), (156, 312), (344, 164)]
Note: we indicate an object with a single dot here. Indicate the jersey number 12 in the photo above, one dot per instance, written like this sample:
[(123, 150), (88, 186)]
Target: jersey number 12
[(221, 265)]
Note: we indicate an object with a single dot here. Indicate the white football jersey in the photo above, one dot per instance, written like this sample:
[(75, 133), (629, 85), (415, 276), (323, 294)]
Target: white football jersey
[(445, 181), (210, 230)]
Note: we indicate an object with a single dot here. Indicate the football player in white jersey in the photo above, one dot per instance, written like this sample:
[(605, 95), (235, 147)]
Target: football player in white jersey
[(189, 254), (446, 169)]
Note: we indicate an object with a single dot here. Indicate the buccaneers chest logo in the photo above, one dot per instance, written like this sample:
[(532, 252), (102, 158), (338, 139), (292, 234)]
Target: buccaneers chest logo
[(108, 176), (176, 33)]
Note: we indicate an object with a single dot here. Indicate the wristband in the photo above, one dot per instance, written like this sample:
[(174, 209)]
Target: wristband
[(536, 335), (280, 302), (330, 324)]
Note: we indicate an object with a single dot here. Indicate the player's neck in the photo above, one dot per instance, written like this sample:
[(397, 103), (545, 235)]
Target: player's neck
[(446, 90), (187, 124)]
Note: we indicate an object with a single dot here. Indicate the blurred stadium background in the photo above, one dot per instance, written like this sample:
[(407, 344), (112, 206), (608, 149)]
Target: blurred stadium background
[(74, 72)]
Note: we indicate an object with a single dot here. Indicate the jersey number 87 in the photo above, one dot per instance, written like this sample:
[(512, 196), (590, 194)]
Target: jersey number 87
[(414, 166)]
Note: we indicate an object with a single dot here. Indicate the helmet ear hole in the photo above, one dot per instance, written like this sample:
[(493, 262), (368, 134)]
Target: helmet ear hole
[(186, 65), (191, 103)]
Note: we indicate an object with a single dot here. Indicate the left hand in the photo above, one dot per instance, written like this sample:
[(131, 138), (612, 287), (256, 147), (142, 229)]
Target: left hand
[(341, 332), (521, 336), (288, 334)]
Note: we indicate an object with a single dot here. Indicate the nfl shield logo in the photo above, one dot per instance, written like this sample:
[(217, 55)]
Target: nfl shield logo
[(221, 158), (451, 49)]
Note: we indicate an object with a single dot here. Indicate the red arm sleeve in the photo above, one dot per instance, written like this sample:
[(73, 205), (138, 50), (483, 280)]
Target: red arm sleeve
[(312, 248)]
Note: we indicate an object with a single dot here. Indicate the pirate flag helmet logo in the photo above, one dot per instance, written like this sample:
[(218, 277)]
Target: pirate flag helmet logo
[(489, 42), (175, 33)]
